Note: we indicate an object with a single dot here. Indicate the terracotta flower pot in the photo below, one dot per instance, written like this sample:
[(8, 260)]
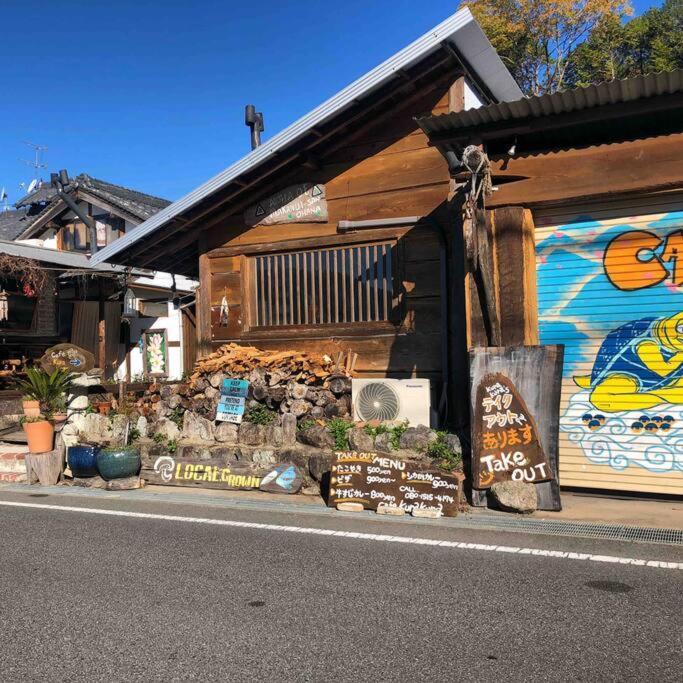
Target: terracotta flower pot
[(31, 408), (104, 407), (59, 417), (40, 436)]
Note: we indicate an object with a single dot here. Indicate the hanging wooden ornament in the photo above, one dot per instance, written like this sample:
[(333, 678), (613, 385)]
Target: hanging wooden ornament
[(4, 305), (225, 312)]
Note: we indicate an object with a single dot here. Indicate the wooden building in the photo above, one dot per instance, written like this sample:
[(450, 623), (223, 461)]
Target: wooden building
[(336, 233), (586, 225), (59, 225)]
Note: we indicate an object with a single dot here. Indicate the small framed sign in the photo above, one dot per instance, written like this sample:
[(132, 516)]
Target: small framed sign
[(155, 353), (233, 400)]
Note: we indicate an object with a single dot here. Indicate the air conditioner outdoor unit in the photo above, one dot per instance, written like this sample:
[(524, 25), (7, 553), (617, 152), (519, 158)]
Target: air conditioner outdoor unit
[(391, 399)]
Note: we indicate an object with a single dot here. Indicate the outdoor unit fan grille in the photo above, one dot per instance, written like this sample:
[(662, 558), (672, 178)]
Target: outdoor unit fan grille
[(377, 401)]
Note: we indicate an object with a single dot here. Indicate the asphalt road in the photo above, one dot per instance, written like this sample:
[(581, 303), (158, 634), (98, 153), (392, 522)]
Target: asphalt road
[(88, 597)]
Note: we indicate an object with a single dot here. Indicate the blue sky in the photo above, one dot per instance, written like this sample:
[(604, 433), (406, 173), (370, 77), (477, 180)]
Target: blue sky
[(151, 93)]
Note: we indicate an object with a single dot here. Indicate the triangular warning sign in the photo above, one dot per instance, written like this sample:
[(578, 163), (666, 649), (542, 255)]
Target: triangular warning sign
[(317, 191), (259, 210)]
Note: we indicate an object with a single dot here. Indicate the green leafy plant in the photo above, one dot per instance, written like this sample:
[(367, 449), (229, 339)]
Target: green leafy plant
[(90, 410), (339, 429), (259, 415), (306, 423), (176, 416), (39, 418), (134, 434), (396, 431), (442, 454), (172, 446), (46, 388), (159, 438)]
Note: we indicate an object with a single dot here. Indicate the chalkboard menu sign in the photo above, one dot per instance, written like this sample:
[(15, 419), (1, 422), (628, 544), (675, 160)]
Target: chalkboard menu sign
[(372, 479), (506, 438), (232, 401)]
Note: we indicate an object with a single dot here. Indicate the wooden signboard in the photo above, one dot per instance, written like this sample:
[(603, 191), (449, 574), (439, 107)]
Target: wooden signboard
[(215, 474), (302, 203), (232, 401), (372, 479), (515, 407), (67, 357), (505, 436)]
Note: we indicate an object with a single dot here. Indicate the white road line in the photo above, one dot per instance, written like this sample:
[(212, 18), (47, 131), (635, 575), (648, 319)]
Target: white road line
[(560, 554)]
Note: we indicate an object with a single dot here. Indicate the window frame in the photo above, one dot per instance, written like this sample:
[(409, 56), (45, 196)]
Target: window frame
[(359, 328)]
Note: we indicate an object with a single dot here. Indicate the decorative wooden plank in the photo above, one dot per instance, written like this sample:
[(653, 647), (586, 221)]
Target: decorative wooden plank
[(302, 203), (371, 479), (535, 373)]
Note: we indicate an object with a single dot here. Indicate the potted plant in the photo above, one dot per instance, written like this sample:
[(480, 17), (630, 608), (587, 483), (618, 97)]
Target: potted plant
[(49, 390), (30, 406), (59, 407), (40, 433)]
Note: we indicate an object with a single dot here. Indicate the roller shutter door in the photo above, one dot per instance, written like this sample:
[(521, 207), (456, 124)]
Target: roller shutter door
[(610, 288)]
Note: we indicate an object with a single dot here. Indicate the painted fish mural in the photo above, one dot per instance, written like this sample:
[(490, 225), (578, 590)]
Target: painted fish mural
[(611, 291)]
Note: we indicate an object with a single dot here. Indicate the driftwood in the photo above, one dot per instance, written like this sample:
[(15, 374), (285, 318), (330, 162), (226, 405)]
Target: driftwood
[(46, 468)]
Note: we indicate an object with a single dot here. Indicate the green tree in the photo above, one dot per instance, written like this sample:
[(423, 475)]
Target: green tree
[(649, 43), (538, 39)]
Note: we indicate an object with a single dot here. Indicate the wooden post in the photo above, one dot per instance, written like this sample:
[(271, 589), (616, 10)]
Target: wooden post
[(204, 307)]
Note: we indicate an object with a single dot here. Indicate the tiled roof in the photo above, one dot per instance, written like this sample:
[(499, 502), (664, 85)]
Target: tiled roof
[(12, 224), (41, 194)]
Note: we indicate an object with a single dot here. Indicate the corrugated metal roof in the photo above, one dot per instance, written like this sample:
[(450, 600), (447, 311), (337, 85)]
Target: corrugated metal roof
[(460, 29), (609, 92), (68, 259)]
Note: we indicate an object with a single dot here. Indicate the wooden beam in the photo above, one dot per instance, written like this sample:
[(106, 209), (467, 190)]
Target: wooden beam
[(203, 307), (579, 174)]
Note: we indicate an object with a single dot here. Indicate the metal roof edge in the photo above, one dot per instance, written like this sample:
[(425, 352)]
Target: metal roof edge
[(360, 87), (61, 258)]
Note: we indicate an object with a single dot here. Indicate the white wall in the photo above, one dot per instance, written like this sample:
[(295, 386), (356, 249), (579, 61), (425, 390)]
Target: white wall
[(472, 100)]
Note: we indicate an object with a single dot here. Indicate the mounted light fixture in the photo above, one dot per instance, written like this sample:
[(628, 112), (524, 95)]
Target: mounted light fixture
[(130, 304)]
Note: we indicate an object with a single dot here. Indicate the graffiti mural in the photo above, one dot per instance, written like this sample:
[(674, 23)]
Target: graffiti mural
[(612, 292)]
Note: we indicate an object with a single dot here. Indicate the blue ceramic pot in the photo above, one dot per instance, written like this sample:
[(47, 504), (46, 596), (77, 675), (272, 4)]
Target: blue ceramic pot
[(82, 460), (117, 462)]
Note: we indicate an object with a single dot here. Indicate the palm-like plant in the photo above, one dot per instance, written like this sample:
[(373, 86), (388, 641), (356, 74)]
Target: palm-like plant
[(49, 389)]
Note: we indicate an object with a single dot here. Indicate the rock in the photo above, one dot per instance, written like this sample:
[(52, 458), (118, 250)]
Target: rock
[(310, 490), (141, 426), (297, 391), (196, 427), (350, 507), (384, 509), (168, 429), (317, 436), (251, 434), (193, 452), (125, 484), (453, 442), (320, 464), (96, 429), (289, 429), (272, 435), (264, 458), (226, 432), (226, 454), (212, 394), (215, 380), (360, 440), (299, 407), (174, 401), (515, 496), (317, 412), (383, 443), (89, 482), (285, 478), (429, 513), (418, 438)]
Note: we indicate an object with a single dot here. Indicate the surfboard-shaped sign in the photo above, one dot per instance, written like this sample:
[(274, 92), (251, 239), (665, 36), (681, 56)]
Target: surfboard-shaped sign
[(506, 439)]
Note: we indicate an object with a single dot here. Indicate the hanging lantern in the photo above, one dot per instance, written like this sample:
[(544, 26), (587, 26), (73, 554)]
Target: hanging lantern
[(4, 306), (130, 304)]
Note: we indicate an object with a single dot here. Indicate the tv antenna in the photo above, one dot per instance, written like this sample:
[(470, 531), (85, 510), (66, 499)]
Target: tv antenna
[(37, 163)]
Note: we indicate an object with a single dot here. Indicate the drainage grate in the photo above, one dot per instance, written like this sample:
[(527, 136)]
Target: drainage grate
[(609, 532)]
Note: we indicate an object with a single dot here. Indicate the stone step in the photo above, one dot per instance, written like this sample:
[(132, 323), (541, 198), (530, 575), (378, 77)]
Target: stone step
[(12, 477), (12, 460)]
